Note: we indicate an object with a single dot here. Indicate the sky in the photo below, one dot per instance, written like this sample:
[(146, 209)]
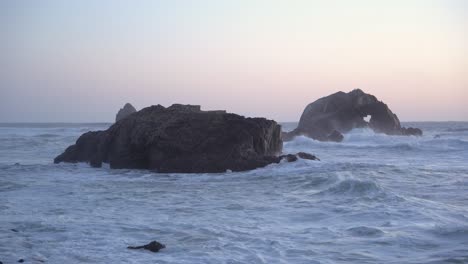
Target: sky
[(80, 61)]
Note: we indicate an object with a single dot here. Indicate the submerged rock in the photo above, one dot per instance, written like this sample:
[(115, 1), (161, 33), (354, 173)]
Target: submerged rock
[(302, 155), (335, 136), (411, 131), (127, 110), (153, 246), (329, 117), (180, 138), (289, 157)]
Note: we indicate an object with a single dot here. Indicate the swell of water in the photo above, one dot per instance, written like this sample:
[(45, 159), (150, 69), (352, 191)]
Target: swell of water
[(371, 199)]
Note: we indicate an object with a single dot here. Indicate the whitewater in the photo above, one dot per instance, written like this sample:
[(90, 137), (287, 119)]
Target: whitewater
[(373, 198)]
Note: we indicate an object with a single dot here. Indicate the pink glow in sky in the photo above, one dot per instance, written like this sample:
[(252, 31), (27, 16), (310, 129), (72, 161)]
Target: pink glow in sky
[(80, 61)]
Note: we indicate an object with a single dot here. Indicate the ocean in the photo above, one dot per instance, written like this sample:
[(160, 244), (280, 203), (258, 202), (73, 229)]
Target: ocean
[(371, 199)]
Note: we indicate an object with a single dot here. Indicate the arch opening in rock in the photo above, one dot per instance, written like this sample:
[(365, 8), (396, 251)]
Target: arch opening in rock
[(341, 112), (367, 118)]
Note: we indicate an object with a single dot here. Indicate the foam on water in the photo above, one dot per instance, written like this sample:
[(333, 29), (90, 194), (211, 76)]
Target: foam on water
[(371, 199)]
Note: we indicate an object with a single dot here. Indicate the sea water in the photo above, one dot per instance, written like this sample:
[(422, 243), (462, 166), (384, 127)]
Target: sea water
[(371, 199)]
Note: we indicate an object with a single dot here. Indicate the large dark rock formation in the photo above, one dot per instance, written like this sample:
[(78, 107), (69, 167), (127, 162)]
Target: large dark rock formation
[(180, 138), (127, 110), (328, 117)]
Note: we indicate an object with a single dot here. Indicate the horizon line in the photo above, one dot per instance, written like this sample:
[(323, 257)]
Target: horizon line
[(111, 122)]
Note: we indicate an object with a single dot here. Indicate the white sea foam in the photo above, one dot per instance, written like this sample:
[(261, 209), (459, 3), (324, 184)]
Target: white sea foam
[(371, 199)]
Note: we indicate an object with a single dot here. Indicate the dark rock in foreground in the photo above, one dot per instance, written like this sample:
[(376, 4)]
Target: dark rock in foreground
[(328, 117), (153, 246), (180, 138), (127, 110)]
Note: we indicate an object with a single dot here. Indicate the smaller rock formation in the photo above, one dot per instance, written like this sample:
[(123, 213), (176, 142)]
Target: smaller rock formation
[(289, 157), (127, 110), (153, 246), (294, 157), (304, 155), (329, 117), (411, 131)]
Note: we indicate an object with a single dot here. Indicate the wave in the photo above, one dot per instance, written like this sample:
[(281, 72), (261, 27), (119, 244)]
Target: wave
[(354, 187), (463, 129), (366, 138), (48, 135), (364, 231), (452, 231)]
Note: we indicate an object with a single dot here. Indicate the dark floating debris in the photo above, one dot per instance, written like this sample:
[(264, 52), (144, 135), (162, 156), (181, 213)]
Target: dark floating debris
[(21, 260), (14, 230), (153, 246)]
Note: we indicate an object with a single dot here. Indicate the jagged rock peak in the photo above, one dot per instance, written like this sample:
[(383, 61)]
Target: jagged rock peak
[(127, 110)]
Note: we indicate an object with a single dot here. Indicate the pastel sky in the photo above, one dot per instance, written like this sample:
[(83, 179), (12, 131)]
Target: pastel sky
[(80, 61)]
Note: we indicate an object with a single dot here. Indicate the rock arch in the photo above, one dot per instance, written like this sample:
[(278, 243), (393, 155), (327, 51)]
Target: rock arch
[(330, 116)]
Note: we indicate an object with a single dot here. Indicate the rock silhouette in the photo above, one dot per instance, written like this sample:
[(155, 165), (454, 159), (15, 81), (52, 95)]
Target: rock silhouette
[(304, 155), (295, 157), (180, 138), (153, 246), (328, 117), (127, 110)]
